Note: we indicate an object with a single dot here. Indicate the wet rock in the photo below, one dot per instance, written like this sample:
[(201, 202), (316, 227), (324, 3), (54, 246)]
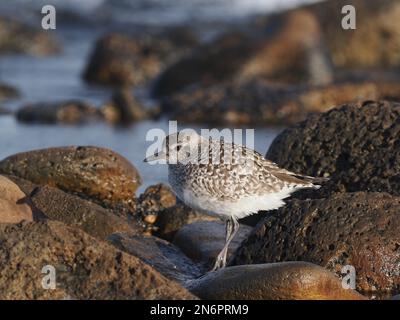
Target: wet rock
[(75, 212), (356, 145), (7, 92), (203, 240), (122, 60), (261, 103), (274, 281), (124, 109), (13, 207), (68, 112), (16, 37), (159, 254), (357, 229), (291, 52), (86, 268), (96, 173)]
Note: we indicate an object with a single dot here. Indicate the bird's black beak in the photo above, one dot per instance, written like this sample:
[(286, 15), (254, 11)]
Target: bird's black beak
[(155, 157)]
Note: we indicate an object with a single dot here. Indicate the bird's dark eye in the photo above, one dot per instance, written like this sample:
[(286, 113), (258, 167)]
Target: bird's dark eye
[(178, 148)]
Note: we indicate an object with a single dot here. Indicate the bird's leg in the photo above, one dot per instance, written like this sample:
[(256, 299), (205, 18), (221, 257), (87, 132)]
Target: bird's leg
[(220, 257), (232, 226)]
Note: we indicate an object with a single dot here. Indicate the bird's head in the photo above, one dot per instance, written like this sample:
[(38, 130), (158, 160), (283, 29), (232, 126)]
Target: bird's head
[(182, 147)]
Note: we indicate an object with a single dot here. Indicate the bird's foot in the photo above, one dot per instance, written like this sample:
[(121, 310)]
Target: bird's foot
[(220, 262)]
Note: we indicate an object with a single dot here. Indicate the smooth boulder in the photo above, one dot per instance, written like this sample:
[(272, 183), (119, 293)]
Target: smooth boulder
[(273, 281), (91, 172)]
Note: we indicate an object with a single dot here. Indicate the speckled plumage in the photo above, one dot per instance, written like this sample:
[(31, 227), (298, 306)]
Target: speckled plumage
[(229, 173), (226, 180)]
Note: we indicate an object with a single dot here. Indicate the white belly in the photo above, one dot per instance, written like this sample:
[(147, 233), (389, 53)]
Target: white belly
[(240, 208)]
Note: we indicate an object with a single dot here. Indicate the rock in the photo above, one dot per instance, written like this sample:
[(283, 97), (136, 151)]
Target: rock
[(152, 201), (159, 254), (16, 37), (86, 268), (170, 220), (68, 112), (273, 281), (357, 229), (7, 92), (289, 52), (122, 60), (75, 212), (203, 240), (396, 297), (13, 205), (356, 145), (260, 103), (123, 109), (377, 22), (96, 173)]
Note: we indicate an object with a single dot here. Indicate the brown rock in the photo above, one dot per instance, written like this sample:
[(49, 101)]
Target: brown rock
[(273, 281), (123, 60), (355, 145), (68, 112), (172, 219), (357, 229), (92, 172), (291, 51), (261, 103), (74, 211), (160, 254), (16, 37), (203, 240), (124, 109), (13, 207), (86, 268), (152, 202)]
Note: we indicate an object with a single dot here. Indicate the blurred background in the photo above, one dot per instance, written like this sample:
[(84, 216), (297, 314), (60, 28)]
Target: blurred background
[(112, 69)]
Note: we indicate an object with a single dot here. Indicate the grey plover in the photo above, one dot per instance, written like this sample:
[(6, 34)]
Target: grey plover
[(226, 180)]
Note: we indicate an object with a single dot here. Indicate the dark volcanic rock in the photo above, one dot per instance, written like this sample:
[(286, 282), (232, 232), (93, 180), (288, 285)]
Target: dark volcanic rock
[(91, 172), (86, 268), (261, 103), (203, 240), (16, 37), (160, 254), (358, 229), (357, 145), (124, 109), (68, 112), (13, 205), (55, 204), (122, 60), (274, 281)]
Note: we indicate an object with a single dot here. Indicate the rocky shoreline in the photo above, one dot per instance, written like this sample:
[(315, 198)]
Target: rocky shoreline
[(77, 208), (61, 206)]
